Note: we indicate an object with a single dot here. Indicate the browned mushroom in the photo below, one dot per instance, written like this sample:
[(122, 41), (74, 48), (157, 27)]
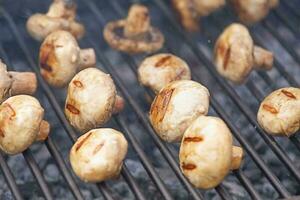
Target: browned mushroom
[(60, 16), (251, 11), (61, 58), (21, 123), (135, 33), (14, 83), (190, 11), (235, 55)]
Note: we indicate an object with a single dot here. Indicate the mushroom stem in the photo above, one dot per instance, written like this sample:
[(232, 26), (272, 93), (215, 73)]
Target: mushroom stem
[(23, 83), (87, 58), (44, 131), (263, 59), (237, 156), (119, 104)]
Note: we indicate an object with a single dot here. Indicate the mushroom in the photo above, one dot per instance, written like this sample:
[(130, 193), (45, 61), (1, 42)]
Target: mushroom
[(158, 70), (135, 33), (190, 11), (21, 123), (98, 155), (91, 99), (60, 16), (14, 83), (176, 106), (251, 11), (279, 112), (235, 55), (206, 153), (60, 58)]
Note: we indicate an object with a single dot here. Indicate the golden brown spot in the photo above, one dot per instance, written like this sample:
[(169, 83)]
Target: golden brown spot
[(269, 108), (226, 56), (11, 110), (78, 83), (2, 133), (47, 57), (80, 143), (160, 104), (162, 61), (188, 166), (193, 139), (98, 147), (288, 94), (72, 109)]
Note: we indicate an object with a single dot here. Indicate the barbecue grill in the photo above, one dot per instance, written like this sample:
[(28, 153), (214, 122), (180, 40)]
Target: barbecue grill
[(271, 168)]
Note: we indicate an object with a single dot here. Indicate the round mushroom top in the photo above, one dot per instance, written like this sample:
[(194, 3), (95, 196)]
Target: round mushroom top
[(233, 53), (176, 106), (135, 33), (205, 7), (206, 152), (59, 58), (279, 112), (158, 70), (251, 11), (5, 82), (90, 100), (20, 119), (98, 155)]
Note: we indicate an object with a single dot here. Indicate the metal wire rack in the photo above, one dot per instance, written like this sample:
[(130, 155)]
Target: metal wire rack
[(227, 101)]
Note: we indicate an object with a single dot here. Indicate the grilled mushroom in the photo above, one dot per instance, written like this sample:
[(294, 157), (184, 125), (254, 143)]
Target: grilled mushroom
[(176, 106), (135, 33), (190, 11), (98, 155), (14, 83), (91, 99), (251, 11), (279, 112), (21, 123), (60, 16), (206, 153), (236, 55), (158, 70), (61, 58)]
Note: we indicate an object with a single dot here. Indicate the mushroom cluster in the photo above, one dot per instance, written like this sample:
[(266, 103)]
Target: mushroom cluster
[(14, 83), (279, 112), (98, 155), (135, 33), (60, 58), (251, 11), (176, 106), (21, 123), (91, 100), (60, 16), (206, 153), (235, 55), (158, 70), (190, 11)]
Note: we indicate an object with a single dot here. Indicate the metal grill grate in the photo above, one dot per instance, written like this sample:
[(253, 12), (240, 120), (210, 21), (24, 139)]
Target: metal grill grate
[(228, 101)]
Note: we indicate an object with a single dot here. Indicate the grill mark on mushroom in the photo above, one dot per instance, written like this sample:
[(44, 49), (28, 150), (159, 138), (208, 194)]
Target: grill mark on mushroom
[(98, 148), (188, 166), (2, 133), (73, 109), (226, 57), (47, 57), (162, 61), (78, 83), (160, 104), (179, 75), (269, 108), (193, 139), (13, 112), (82, 141), (288, 94)]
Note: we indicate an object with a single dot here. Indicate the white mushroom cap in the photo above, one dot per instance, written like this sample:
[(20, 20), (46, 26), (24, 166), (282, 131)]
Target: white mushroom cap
[(235, 54), (61, 57), (20, 120), (91, 98), (279, 112), (98, 155), (251, 11), (176, 106), (206, 152), (158, 70)]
